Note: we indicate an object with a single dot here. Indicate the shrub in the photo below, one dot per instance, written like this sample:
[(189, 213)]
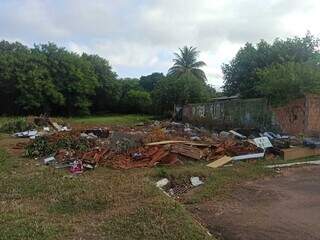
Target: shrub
[(16, 125)]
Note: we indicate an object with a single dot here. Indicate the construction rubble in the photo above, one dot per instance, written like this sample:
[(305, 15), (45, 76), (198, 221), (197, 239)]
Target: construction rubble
[(41, 126), (149, 145)]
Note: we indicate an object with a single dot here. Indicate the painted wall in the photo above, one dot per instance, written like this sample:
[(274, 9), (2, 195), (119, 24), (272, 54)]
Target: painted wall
[(244, 113), (301, 116)]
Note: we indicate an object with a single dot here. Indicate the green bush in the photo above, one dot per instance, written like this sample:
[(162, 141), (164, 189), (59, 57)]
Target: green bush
[(43, 146), (16, 125)]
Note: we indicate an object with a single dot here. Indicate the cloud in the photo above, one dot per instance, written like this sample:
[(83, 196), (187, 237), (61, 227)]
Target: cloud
[(139, 36)]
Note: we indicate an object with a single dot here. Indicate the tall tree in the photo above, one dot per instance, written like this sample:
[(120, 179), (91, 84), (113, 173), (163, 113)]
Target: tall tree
[(186, 62), (281, 83), (240, 75), (107, 93), (149, 82), (182, 90)]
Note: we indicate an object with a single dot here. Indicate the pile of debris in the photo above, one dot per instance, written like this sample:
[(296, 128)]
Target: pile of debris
[(41, 126), (159, 143)]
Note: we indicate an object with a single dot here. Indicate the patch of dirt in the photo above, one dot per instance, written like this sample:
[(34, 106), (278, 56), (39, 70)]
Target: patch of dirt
[(283, 207), (14, 146)]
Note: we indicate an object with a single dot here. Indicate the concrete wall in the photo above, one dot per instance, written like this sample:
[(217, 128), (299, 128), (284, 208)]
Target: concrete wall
[(243, 113), (301, 116)]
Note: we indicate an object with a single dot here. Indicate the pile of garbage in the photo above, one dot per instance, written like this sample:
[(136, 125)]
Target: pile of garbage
[(159, 143), (38, 126)]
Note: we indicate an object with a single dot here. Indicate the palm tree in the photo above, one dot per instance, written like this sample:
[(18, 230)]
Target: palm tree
[(186, 62)]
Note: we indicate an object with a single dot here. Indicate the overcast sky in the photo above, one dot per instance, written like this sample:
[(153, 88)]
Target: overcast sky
[(138, 37)]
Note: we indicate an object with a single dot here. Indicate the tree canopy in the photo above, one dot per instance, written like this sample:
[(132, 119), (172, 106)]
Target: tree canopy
[(241, 74), (281, 83), (50, 79), (186, 62)]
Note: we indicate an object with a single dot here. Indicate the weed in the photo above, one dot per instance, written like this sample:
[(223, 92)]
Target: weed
[(161, 172), (16, 125)]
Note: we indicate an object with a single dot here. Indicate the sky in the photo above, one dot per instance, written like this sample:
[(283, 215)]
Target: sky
[(138, 37)]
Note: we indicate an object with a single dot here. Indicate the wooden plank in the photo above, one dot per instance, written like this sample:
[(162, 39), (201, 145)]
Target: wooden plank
[(177, 141), (188, 151), (220, 162)]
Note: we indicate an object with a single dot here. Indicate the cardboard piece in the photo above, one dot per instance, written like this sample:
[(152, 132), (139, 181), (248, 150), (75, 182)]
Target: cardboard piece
[(299, 152), (220, 162)]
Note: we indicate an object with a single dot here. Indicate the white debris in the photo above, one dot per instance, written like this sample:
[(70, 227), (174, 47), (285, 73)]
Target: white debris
[(65, 129), (316, 162), (48, 160), (195, 181), (163, 182), (195, 138), (262, 142), (46, 129), (29, 133), (237, 134)]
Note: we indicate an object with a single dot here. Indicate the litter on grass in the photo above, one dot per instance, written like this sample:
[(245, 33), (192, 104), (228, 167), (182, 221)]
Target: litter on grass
[(149, 145)]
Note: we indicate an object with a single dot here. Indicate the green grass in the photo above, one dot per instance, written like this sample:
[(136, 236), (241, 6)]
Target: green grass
[(40, 202), (111, 119), (218, 182), (5, 119)]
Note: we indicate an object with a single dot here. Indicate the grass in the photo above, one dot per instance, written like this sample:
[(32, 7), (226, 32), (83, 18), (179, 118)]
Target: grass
[(5, 119), (218, 182), (40, 202), (111, 119)]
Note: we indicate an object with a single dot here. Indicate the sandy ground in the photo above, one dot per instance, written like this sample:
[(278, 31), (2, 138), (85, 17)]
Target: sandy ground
[(284, 207)]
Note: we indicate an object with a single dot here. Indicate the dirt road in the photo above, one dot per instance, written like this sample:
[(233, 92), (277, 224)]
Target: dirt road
[(284, 207)]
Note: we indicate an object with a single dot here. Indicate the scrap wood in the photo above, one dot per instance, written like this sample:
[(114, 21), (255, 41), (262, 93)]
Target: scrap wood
[(187, 151), (151, 157), (178, 141), (237, 134), (160, 154), (95, 156), (220, 162), (234, 148)]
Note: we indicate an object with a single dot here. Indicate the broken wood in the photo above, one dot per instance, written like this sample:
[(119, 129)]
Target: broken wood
[(188, 151), (220, 162), (237, 134), (177, 141)]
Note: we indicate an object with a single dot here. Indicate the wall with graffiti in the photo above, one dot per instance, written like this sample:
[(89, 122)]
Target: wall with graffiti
[(242, 113), (301, 116)]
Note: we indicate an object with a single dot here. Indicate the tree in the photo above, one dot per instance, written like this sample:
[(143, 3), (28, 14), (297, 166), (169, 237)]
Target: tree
[(182, 90), (240, 75), (137, 101), (107, 93), (73, 76), (281, 83), (149, 82), (186, 63)]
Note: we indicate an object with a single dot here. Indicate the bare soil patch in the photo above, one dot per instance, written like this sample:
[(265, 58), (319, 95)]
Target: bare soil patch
[(283, 207)]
